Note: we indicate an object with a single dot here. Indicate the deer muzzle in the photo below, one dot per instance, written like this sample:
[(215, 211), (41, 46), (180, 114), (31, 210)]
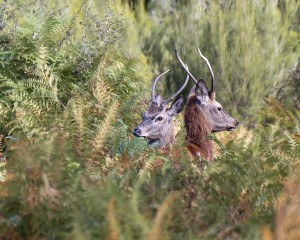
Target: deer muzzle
[(230, 128), (137, 132)]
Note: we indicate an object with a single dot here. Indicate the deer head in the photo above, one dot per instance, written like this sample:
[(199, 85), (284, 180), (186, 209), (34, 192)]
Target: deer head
[(204, 115), (157, 121), (217, 119)]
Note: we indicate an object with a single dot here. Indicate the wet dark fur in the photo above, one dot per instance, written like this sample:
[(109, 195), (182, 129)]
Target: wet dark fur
[(197, 128)]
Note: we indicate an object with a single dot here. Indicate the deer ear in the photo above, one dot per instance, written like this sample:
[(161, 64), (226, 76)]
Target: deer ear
[(176, 106), (201, 92)]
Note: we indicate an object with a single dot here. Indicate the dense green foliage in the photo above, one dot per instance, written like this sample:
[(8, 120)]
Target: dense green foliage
[(248, 43), (73, 81)]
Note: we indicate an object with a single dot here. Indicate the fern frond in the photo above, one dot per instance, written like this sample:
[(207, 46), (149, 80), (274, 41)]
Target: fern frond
[(156, 230), (292, 142), (101, 92), (77, 111), (140, 219), (114, 231), (51, 31), (45, 73), (2, 144), (104, 127), (43, 56)]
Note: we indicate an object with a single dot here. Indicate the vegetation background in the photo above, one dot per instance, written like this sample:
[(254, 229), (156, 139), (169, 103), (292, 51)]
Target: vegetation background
[(75, 77)]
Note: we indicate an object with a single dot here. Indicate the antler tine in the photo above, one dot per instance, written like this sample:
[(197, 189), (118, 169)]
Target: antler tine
[(210, 69), (179, 91), (154, 84), (185, 66)]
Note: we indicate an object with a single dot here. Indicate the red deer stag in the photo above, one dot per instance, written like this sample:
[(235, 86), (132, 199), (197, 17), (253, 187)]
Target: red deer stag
[(204, 115), (157, 121)]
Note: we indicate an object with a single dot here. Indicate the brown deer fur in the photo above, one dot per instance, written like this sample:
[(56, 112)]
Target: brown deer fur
[(197, 129), (203, 114)]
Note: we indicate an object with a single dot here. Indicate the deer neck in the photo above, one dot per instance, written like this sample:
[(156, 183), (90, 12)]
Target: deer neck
[(198, 128)]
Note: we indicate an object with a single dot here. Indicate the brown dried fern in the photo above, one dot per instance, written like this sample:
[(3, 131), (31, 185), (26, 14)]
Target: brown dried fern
[(114, 231), (287, 220), (104, 127), (155, 232), (101, 92), (77, 111)]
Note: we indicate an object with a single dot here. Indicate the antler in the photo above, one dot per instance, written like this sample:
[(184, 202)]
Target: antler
[(179, 91), (210, 69), (185, 66), (154, 84), (175, 94)]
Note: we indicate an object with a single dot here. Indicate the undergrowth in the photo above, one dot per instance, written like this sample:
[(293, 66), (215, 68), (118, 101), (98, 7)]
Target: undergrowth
[(70, 96)]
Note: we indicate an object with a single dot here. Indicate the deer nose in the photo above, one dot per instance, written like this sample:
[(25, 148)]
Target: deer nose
[(137, 132), (237, 122)]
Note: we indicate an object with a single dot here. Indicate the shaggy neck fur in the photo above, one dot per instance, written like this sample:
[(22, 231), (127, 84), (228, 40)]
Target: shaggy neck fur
[(197, 129)]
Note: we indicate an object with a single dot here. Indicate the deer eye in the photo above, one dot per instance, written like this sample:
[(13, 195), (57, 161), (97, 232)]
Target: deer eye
[(158, 119), (219, 109)]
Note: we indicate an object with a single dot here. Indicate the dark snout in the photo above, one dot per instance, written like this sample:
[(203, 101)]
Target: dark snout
[(137, 132)]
